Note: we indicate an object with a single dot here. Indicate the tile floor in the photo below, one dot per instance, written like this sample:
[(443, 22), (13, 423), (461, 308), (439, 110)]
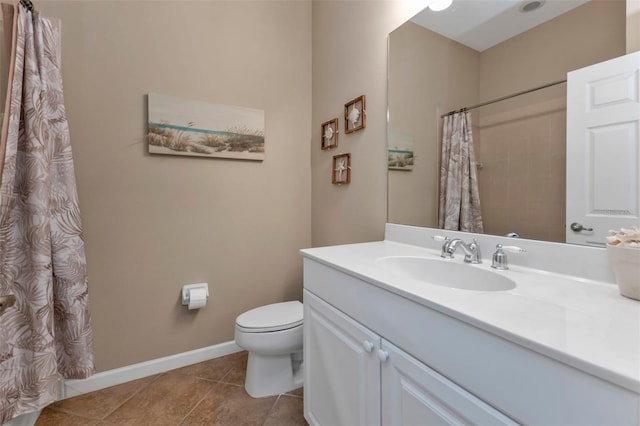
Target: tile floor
[(208, 393)]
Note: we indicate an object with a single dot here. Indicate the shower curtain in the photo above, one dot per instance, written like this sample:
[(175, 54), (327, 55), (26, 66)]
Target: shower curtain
[(46, 333), (459, 204)]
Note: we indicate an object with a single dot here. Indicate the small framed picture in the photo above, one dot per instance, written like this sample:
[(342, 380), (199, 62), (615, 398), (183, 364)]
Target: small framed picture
[(341, 169), (355, 114), (330, 134)]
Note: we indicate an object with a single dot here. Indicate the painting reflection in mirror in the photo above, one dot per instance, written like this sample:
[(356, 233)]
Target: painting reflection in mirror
[(520, 141), (400, 151)]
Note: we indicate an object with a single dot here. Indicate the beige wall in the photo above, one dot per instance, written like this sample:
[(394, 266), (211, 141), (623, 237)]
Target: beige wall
[(633, 26), (350, 59), (420, 90), (153, 223), (547, 52)]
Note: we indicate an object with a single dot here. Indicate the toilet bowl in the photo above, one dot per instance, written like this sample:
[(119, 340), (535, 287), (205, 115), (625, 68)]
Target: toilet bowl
[(272, 335)]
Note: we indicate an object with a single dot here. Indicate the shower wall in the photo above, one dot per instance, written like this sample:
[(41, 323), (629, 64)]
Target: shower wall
[(522, 172)]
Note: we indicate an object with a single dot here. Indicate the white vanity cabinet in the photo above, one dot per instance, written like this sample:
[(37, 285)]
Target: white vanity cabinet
[(375, 354), (414, 394), (354, 377), (342, 373)]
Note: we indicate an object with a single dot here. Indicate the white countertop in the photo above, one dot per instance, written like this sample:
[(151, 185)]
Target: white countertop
[(584, 323)]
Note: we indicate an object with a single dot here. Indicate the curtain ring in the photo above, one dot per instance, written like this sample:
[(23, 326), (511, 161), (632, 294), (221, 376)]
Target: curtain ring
[(27, 4)]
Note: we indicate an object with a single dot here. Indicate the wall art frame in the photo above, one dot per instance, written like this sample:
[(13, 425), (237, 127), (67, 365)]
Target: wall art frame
[(329, 134), (400, 151), (187, 127), (355, 114), (341, 170)]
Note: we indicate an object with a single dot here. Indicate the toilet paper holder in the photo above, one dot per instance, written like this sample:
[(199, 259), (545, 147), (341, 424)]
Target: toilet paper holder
[(186, 289)]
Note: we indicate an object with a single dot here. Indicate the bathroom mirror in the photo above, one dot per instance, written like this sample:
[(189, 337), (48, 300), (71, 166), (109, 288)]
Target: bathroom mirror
[(520, 142)]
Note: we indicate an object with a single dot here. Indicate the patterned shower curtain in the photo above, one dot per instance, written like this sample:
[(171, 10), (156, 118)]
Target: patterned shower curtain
[(459, 204), (45, 331)]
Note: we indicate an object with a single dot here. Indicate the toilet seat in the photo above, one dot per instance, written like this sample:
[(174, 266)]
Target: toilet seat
[(274, 317)]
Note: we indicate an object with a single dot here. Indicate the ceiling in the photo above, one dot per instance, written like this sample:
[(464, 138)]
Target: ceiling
[(481, 24)]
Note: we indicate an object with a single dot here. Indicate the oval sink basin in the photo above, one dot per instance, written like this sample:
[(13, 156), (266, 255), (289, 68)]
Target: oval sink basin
[(446, 273)]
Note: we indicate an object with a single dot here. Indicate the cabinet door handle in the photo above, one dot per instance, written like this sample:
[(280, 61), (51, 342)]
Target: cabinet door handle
[(367, 345), (383, 355)]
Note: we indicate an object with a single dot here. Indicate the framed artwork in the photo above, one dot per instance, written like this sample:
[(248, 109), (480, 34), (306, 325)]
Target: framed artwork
[(400, 151), (204, 129), (330, 134), (355, 115), (341, 169)]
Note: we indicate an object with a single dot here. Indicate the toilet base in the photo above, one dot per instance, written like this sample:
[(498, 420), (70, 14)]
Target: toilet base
[(269, 375)]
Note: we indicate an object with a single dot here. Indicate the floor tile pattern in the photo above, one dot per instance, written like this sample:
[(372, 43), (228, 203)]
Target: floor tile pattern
[(208, 393)]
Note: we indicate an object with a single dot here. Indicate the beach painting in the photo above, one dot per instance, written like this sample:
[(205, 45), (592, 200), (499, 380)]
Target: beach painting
[(400, 151), (204, 129)]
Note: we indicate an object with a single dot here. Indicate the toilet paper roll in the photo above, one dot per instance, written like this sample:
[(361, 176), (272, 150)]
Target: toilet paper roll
[(197, 298)]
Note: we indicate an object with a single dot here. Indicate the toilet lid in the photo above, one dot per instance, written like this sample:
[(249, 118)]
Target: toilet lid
[(277, 316)]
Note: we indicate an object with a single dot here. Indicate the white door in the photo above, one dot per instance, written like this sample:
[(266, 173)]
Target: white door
[(603, 154), (414, 394), (342, 371)]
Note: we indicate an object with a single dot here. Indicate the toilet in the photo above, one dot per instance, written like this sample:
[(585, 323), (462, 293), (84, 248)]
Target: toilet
[(272, 334)]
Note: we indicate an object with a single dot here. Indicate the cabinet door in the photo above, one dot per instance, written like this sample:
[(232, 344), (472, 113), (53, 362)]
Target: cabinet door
[(341, 368), (414, 394)]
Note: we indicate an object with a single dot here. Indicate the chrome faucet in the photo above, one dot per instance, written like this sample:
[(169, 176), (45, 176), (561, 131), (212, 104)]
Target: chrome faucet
[(471, 251)]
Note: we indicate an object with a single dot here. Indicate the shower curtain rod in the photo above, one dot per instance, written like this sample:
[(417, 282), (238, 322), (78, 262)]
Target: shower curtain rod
[(493, 101)]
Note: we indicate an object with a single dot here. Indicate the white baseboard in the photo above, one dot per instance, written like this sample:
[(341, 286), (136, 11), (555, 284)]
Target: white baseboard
[(105, 379)]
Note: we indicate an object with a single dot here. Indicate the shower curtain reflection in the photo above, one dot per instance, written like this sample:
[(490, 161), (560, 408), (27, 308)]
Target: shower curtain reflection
[(459, 206), (46, 333)]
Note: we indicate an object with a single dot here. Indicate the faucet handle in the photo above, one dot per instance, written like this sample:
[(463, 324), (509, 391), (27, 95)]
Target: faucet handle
[(499, 260), (500, 257), (444, 252), (512, 249)]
